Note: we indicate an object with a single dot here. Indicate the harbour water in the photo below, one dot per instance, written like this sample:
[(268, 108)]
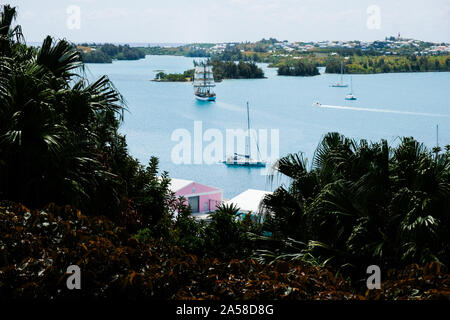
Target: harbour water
[(402, 104)]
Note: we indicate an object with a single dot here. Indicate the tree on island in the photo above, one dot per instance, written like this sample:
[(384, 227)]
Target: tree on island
[(232, 70), (298, 68), (108, 52)]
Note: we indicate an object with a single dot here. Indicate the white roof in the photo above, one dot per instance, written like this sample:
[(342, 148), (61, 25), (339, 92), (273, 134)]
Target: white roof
[(249, 200), (178, 184), (201, 216)]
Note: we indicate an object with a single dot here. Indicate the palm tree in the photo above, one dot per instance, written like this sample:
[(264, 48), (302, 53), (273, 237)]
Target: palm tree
[(8, 33), (436, 150), (224, 232), (58, 133)]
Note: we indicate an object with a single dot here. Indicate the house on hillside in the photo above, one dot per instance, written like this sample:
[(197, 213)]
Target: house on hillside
[(202, 199)]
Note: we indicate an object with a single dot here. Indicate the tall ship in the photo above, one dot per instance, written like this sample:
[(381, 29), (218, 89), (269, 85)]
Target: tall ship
[(245, 159), (204, 82)]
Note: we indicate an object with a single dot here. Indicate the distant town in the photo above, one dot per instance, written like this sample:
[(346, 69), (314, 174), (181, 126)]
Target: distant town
[(393, 54), (389, 46)]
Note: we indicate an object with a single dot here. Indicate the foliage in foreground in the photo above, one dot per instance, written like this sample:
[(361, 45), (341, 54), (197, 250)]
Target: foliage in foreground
[(223, 236), (59, 135), (364, 203), (37, 246)]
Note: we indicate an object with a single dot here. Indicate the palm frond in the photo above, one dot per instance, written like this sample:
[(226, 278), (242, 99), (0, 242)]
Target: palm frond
[(60, 57)]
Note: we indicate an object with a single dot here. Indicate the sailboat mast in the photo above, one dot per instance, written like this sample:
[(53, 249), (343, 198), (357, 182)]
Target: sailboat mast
[(437, 135), (342, 71), (248, 126)]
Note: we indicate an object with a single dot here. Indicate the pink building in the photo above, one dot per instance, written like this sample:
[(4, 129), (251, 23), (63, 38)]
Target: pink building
[(202, 198)]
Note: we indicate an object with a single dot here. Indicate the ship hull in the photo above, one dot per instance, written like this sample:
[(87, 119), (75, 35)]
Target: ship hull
[(213, 98)]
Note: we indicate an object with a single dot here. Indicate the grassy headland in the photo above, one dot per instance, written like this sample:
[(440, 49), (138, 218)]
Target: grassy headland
[(106, 53), (386, 64)]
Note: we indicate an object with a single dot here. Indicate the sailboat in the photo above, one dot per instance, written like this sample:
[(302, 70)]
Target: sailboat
[(340, 84), (246, 159), (204, 82), (350, 96)]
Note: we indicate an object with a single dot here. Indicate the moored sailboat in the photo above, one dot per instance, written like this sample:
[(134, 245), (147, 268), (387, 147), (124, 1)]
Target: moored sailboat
[(340, 84), (245, 159), (350, 96)]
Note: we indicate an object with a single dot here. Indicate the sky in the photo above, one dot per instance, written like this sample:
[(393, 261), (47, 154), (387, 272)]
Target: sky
[(190, 21)]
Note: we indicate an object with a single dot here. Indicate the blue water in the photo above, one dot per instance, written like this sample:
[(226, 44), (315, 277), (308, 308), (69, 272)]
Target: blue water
[(283, 103)]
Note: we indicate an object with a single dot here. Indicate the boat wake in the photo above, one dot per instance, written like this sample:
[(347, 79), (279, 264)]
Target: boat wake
[(228, 106), (382, 110)]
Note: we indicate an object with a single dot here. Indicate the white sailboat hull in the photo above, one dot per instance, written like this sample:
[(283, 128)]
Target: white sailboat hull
[(350, 96), (245, 163)]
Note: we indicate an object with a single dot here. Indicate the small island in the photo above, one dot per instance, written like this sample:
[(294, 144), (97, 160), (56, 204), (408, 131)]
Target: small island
[(299, 68), (222, 70), (232, 70), (186, 76)]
